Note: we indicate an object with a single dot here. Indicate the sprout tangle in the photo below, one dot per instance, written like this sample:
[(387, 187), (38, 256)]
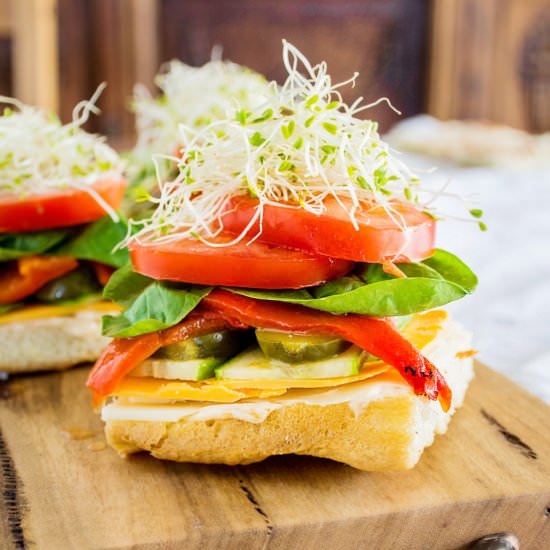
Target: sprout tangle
[(302, 145), (39, 155)]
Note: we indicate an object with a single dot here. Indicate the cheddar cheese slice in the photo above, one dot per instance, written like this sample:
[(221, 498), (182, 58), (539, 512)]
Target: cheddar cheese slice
[(34, 312), (188, 391)]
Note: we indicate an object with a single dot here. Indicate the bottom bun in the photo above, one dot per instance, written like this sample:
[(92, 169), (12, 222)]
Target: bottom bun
[(52, 343), (377, 424)]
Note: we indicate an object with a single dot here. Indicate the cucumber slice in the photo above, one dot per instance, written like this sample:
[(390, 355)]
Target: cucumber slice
[(298, 348), (252, 363), (194, 369), (222, 343)]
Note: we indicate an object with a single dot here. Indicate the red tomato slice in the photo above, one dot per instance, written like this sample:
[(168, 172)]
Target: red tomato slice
[(59, 208), (377, 240), (119, 357), (25, 276), (254, 265)]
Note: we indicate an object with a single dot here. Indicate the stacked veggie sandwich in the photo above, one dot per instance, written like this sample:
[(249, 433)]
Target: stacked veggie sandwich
[(59, 187), (277, 298)]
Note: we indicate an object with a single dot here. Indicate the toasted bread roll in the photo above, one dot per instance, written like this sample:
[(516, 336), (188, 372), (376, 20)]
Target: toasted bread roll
[(51, 343), (376, 424)]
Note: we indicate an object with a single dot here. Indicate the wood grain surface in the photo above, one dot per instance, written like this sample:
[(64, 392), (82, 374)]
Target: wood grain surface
[(35, 49), (490, 473)]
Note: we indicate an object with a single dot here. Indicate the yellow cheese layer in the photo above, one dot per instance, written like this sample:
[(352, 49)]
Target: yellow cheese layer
[(424, 327), (189, 391), (228, 391), (421, 330), (34, 312)]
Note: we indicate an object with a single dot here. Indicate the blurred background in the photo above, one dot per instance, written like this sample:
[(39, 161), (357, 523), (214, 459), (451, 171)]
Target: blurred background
[(454, 59), (461, 59)]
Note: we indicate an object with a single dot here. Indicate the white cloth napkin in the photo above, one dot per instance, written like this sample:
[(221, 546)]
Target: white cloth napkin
[(509, 313)]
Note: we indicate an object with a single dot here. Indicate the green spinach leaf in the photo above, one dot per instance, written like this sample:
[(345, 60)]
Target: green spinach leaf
[(96, 242), (17, 245), (155, 305), (429, 284), (150, 305)]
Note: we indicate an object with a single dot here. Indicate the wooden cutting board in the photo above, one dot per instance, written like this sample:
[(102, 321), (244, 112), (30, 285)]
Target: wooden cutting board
[(490, 473)]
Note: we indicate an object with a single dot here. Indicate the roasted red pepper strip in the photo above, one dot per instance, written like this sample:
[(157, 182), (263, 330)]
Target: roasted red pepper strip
[(25, 276), (123, 354), (374, 334), (225, 309), (117, 359)]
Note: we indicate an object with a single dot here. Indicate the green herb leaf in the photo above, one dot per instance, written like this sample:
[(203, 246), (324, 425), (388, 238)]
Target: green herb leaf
[(331, 128), (452, 269), (328, 149), (309, 121), (267, 114), (150, 305), (285, 166), (125, 285), (96, 242), (256, 139), (298, 143), (241, 116), (288, 130), (17, 245), (476, 213), (312, 100), (435, 282), (362, 182)]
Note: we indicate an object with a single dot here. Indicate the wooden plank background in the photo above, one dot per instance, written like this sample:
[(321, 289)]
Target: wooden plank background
[(6, 84), (6, 69), (5, 18), (35, 52), (384, 41), (453, 58), (124, 41)]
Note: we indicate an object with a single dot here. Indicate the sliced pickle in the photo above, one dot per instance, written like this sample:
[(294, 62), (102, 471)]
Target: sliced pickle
[(79, 282), (222, 343), (298, 348)]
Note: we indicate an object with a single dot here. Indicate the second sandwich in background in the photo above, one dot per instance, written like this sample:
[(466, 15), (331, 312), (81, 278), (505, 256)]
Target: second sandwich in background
[(59, 190), (192, 98)]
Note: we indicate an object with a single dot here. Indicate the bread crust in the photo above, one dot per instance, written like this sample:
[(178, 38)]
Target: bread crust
[(53, 343), (384, 436)]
